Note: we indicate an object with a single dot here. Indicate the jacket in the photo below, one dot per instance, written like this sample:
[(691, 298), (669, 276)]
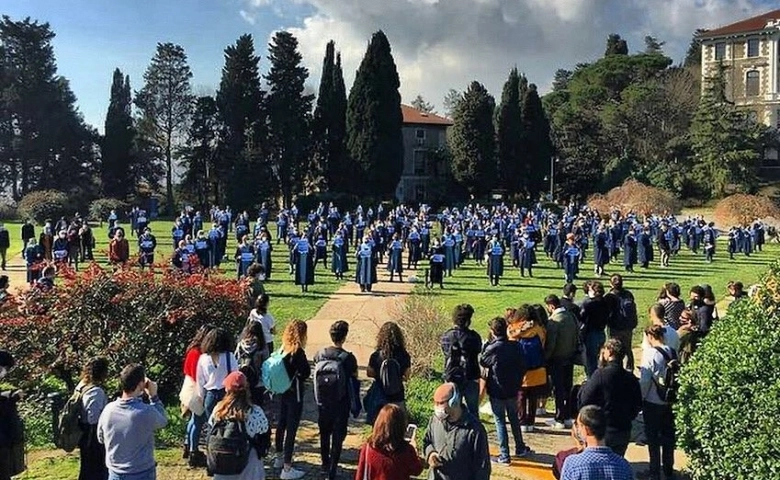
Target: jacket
[(594, 315), (504, 368), (299, 370), (382, 465), (537, 376), (5, 239), (471, 345), (615, 390), (462, 447), (562, 336)]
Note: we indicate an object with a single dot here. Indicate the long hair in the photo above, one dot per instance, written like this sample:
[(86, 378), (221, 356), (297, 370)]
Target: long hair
[(197, 339), (95, 371), (294, 336), (253, 330), (389, 429), (234, 406), (390, 339)]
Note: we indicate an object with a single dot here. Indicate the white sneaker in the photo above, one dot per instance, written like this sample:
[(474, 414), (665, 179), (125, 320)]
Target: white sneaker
[(278, 462), (555, 425), (291, 474)]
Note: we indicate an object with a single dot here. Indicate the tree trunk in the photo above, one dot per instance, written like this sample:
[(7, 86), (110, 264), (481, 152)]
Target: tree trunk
[(169, 177)]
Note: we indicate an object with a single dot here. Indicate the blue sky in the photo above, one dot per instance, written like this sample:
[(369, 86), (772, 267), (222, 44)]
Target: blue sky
[(437, 44)]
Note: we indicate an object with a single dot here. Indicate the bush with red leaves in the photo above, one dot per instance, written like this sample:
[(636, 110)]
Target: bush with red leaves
[(637, 197), (742, 209), (129, 317)]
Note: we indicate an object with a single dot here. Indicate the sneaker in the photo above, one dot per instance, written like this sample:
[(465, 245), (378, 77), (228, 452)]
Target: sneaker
[(568, 423), (524, 451), (526, 428), (278, 462), (291, 474), (555, 425), (501, 460), (540, 412)]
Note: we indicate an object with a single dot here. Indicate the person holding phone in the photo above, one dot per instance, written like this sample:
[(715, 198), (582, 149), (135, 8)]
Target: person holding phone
[(389, 453)]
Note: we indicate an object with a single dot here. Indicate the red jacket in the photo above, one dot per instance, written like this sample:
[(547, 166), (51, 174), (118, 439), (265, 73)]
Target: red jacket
[(388, 466), (191, 362)]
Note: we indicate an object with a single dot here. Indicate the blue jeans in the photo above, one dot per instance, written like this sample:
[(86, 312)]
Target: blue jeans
[(194, 427), (150, 474), (470, 392), (593, 343), (501, 410)]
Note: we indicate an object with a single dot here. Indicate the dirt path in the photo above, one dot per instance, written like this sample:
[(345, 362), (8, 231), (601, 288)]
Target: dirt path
[(16, 269)]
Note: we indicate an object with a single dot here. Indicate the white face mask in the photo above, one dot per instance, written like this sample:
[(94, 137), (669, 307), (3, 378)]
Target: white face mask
[(440, 412)]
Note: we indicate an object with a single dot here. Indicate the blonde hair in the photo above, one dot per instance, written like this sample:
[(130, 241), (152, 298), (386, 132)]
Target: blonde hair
[(294, 336)]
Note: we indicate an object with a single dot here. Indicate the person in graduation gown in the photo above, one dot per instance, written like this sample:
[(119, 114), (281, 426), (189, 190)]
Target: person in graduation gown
[(215, 236), (181, 258), (629, 250), (203, 249), (321, 251), (146, 245), (708, 240), (365, 272), (263, 249), (395, 259), (304, 264), (526, 254), (732, 243), (449, 253), (600, 251), (46, 241), (560, 243), (436, 265), (414, 242), (338, 259), (245, 256), (645, 247), (572, 255), (495, 265), (33, 256), (60, 248), (177, 232), (480, 244)]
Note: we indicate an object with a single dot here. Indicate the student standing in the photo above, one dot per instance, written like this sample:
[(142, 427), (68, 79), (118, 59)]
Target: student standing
[(387, 454), (94, 399)]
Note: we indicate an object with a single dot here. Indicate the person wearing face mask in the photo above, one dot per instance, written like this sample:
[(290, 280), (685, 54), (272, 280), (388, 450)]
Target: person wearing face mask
[(455, 442), (12, 448), (127, 425), (704, 311), (60, 248), (595, 460)]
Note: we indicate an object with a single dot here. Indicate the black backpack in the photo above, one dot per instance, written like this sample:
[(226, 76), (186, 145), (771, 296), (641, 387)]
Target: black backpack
[(251, 364), (455, 367), (330, 380), (227, 448), (390, 377), (670, 383), (625, 318)]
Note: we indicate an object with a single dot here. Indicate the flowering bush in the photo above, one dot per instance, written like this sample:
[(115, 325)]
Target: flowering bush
[(43, 205), (128, 316), (635, 196), (742, 209)]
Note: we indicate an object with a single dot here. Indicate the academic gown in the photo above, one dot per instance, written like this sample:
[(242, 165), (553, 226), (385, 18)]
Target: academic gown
[(338, 261), (600, 249), (436, 266), (629, 251), (526, 253), (395, 261), (304, 263), (645, 248), (264, 250), (495, 267), (245, 256), (365, 271), (571, 261), (203, 252)]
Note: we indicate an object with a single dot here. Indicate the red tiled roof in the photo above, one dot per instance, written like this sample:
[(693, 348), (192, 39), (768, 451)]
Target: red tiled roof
[(754, 24), (414, 116)]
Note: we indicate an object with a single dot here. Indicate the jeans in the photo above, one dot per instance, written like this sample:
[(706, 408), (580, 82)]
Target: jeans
[(659, 430), (626, 337), (194, 428), (287, 426), (593, 343), (562, 374), (470, 392), (617, 440), (150, 474), (527, 402), (332, 422), (501, 410)]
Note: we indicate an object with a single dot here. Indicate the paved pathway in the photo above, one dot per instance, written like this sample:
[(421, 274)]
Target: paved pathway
[(16, 269)]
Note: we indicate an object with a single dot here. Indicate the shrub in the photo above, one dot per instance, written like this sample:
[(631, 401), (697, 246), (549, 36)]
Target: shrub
[(742, 209), (100, 209), (635, 196), (423, 321), (728, 413), (44, 204), (130, 316)]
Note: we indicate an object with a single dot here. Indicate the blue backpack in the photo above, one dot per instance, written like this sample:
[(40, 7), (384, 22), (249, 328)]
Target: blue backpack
[(274, 374), (532, 351)]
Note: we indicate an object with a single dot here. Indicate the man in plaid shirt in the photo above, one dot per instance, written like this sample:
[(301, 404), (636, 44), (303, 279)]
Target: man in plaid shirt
[(596, 461)]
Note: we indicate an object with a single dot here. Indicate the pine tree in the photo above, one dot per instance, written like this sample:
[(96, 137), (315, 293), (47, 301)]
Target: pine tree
[(117, 145), (420, 104), (473, 141), (165, 103), (509, 127), (450, 102), (537, 144), (240, 166), (200, 152), (289, 117), (374, 122), (653, 46), (616, 45), (693, 55)]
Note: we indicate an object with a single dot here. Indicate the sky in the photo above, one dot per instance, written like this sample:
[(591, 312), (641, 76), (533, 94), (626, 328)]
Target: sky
[(437, 44)]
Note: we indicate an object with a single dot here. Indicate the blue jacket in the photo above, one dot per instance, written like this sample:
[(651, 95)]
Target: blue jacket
[(505, 368)]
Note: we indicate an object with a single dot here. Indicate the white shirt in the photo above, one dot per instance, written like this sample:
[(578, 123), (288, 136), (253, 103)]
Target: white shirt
[(671, 340), (267, 321), (210, 376)]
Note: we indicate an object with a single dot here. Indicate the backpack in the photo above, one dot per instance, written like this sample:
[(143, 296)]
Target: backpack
[(227, 448), (455, 367), (533, 352), (68, 433), (670, 383), (390, 377), (274, 373), (250, 364), (330, 380), (628, 318)]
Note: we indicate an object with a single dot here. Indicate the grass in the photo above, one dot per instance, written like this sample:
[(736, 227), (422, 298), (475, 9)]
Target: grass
[(48, 465)]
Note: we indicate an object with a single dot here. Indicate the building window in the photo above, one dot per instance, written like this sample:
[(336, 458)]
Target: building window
[(419, 192), (752, 47), (419, 162), (420, 133), (720, 51), (752, 83)]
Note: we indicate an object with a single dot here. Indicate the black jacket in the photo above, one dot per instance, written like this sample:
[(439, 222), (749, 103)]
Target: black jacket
[(505, 368), (471, 345), (299, 370), (616, 391), (5, 239), (595, 314)]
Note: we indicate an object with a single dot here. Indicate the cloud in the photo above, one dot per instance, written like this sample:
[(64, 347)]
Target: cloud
[(443, 44), (248, 17)]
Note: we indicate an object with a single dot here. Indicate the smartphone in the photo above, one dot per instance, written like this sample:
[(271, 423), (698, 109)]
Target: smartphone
[(411, 433)]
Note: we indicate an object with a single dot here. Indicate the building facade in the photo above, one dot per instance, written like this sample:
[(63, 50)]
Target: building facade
[(750, 52), (424, 173)]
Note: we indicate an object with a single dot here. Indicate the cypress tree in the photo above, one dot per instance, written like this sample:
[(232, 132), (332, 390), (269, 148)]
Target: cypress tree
[(473, 141), (200, 152), (117, 145), (374, 122), (321, 121), (510, 131), (337, 132), (537, 144)]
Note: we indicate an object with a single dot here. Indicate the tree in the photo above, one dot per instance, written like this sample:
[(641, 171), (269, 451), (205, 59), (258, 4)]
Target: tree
[(561, 80), (241, 170), (289, 116), (117, 144), (450, 102), (473, 141), (420, 104), (653, 46), (165, 103), (329, 123), (616, 45), (511, 161), (693, 55), (199, 154), (536, 142), (374, 122)]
